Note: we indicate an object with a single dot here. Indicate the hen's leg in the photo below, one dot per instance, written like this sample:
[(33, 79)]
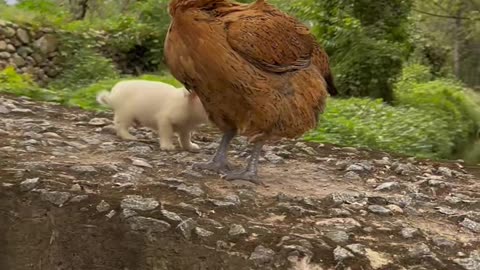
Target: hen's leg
[(250, 172), (219, 162)]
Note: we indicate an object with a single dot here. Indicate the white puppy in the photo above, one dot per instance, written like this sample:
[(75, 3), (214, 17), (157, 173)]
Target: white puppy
[(156, 105)]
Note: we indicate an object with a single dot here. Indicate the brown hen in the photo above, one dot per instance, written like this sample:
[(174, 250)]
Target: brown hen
[(259, 72)]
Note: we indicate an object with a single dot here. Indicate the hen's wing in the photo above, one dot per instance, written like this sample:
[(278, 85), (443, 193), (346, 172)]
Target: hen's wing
[(271, 40)]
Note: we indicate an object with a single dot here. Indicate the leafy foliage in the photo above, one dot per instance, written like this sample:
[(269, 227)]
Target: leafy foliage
[(366, 40), (373, 124), (22, 85)]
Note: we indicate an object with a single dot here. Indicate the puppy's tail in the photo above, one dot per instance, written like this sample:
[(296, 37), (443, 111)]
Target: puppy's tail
[(103, 98)]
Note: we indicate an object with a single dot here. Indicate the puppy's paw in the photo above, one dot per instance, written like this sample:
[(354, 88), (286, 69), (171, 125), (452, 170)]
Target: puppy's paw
[(193, 147), (167, 147)]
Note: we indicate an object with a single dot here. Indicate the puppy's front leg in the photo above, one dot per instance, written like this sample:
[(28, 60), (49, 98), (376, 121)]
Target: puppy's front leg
[(165, 131), (185, 139)]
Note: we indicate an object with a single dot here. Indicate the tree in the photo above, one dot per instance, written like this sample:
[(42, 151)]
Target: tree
[(368, 41), (78, 8), (453, 24)]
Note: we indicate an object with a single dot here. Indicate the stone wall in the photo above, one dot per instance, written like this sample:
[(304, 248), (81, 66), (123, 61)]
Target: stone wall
[(29, 50)]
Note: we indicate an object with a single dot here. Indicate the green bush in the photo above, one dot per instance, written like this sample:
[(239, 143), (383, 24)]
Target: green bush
[(22, 85), (83, 67), (370, 123), (450, 101)]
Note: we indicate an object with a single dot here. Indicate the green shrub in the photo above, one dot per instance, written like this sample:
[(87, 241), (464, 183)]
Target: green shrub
[(450, 101), (22, 85), (83, 67), (373, 124)]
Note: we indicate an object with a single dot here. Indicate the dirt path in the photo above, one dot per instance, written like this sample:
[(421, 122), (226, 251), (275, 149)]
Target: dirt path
[(74, 196)]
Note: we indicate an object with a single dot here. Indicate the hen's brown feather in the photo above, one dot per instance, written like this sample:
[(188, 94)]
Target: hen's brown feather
[(254, 68)]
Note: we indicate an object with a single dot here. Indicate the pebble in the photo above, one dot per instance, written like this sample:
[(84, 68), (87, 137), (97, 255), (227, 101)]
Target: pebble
[(357, 249), (191, 190), (103, 206), (186, 227), (57, 198), (273, 158), (352, 176), (29, 184), (78, 198), (202, 232), (137, 202), (141, 163), (408, 233), (341, 254), (139, 223), (99, 122), (76, 187), (395, 209), (387, 186), (378, 209), (262, 255), (83, 168), (171, 216), (236, 229), (126, 213), (339, 237), (471, 225), (470, 263), (339, 223), (111, 214)]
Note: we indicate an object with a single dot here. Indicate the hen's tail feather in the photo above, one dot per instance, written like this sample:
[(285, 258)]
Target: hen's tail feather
[(103, 98), (331, 89)]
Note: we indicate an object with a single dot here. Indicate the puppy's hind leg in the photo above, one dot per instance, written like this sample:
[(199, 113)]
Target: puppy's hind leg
[(185, 140), (165, 131), (122, 123)]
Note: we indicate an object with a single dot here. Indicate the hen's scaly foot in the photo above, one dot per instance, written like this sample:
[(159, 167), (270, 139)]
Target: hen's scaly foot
[(215, 166), (244, 175)]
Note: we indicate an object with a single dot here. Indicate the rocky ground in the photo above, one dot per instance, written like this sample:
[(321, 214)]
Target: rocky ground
[(74, 196)]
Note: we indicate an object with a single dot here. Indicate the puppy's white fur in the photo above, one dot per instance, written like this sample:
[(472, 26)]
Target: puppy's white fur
[(156, 105)]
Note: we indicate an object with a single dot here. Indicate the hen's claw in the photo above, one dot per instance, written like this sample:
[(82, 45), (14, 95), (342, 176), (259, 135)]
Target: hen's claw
[(244, 175), (215, 166)]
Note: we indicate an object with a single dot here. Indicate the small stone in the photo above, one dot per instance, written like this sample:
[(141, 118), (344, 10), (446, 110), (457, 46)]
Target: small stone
[(262, 255), (273, 158), (111, 214), (84, 168), (395, 209), (57, 198), (202, 232), (171, 216), (357, 249), (4, 110), (445, 171), (387, 186), (443, 242), (353, 176), (339, 237), (355, 168), (470, 263), (18, 61), (341, 254), (419, 251), (471, 225), (236, 229), (141, 163), (191, 190), (139, 223), (378, 209), (103, 206), (339, 223), (76, 188), (408, 233), (137, 202), (186, 227), (126, 213), (378, 260), (99, 122), (23, 35), (78, 198), (339, 212), (29, 184)]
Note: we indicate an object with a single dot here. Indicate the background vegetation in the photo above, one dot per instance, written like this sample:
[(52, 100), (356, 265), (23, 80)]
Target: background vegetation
[(407, 70)]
